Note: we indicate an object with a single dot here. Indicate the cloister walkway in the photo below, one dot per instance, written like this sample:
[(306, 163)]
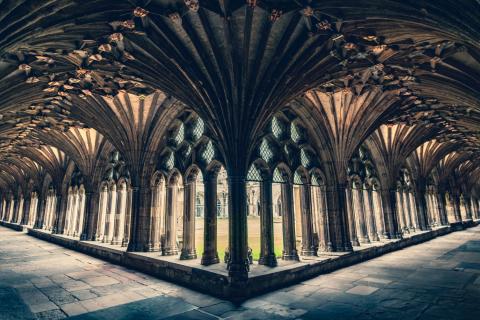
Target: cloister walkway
[(439, 279)]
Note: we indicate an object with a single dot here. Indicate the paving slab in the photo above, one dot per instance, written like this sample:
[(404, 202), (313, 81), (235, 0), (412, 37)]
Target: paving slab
[(433, 280)]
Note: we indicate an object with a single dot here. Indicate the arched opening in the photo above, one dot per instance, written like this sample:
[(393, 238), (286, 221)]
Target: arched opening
[(253, 186), (120, 213), (319, 212), (174, 216), (285, 240), (102, 211), (223, 229), (158, 211)]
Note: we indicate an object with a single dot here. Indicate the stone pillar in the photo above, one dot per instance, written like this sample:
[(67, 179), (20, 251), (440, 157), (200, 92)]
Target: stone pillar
[(289, 240), (40, 212), (26, 211), (2, 208), (468, 208), (102, 212), (351, 218), (475, 208), (423, 210), (14, 214), (111, 215), (408, 211), (267, 249), (60, 211), (337, 218), (238, 264), (91, 211), (359, 215), (413, 210), (379, 216), (370, 214), (154, 238), (171, 221), (188, 249), (308, 243), (322, 221), (392, 228), (140, 216), (456, 207), (210, 254), (56, 211), (442, 208), (120, 216), (128, 218)]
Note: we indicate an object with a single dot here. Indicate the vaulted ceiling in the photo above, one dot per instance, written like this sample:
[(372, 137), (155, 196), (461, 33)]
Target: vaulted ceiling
[(66, 65)]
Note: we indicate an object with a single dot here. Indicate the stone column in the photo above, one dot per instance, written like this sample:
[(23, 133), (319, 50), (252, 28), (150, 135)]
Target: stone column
[(413, 210), (154, 238), (370, 215), (351, 218), (91, 207), (26, 211), (422, 210), (188, 249), (210, 254), (128, 218), (456, 207), (267, 249), (322, 221), (120, 216), (171, 221), (102, 212), (110, 216), (337, 218), (289, 240), (475, 208), (308, 243), (468, 208), (389, 205), (379, 216), (359, 215), (408, 211), (2, 208), (14, 214), (40, 212), (140, 214), (442, 208), (238, 264)]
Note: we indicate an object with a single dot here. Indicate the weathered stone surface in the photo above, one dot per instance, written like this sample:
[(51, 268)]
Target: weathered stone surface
[(393, 286)]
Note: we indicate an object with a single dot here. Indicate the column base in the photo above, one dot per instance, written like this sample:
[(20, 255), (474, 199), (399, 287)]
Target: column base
[(375, 237), (308, 252), (268, 260), (188, 254), (170, 252), (292, 256), (238, 271), (152, 247), (116, 242), (364, 240), (83, 237), (137, 247), (355, 243), (209, 259)]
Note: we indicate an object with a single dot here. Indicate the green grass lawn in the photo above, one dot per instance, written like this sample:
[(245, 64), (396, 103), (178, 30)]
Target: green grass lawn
[(253, 224)]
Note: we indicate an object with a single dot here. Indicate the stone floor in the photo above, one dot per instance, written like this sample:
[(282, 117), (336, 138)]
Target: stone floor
[(439, 279)]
